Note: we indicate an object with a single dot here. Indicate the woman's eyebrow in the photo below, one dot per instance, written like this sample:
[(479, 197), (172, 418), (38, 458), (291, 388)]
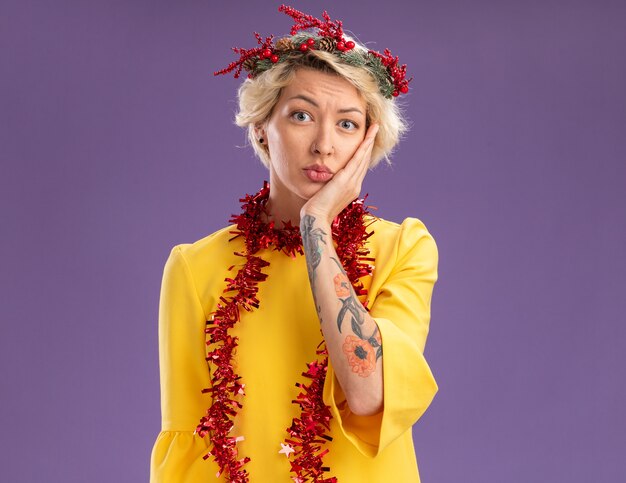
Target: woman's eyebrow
[(350, 109), (315, 104)]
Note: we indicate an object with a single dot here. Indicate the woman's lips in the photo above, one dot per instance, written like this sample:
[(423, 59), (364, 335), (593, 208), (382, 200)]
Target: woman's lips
[(318, 173)]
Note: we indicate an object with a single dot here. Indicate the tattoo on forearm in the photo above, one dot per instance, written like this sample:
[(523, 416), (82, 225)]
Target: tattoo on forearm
[(311, 239), (349, 303), (362, 354), (376, 343), (318, 307), (353, 306), (362, 351)]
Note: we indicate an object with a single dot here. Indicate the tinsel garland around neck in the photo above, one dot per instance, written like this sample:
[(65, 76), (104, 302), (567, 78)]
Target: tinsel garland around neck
[(307, 433)]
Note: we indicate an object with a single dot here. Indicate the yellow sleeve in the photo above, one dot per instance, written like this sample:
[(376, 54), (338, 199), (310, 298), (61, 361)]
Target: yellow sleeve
[(183, 374), (402, 311)]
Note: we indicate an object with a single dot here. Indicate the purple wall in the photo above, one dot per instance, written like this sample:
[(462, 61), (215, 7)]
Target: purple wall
[(116, 142)]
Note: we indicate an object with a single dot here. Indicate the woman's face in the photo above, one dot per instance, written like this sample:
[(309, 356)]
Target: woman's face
[(315, 128)]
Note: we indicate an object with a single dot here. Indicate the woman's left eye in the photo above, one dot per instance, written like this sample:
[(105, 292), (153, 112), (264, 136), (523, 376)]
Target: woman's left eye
[(349, 125)]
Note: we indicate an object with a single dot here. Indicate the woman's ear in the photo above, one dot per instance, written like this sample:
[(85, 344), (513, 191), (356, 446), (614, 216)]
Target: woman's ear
[(259, 133)]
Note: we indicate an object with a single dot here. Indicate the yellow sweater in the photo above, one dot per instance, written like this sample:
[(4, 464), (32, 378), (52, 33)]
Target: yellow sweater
[(275, 343)]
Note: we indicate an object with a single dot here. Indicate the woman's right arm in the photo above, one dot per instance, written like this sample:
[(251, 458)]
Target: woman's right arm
[(178, 452)]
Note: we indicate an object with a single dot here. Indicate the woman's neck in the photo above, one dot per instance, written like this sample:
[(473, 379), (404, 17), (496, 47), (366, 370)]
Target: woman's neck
[(283, 205)]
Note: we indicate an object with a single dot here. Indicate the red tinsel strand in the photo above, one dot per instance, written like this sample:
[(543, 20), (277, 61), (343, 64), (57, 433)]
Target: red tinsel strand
[(225, 385), (259, 236), (353, 254), (308, 432)]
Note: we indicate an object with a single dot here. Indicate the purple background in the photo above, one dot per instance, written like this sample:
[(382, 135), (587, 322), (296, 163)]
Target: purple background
[(117, 143)]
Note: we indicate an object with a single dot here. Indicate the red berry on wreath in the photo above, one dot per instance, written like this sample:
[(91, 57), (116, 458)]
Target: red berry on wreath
[(404, 89), (341, 46), (274, 58), (267, 53), (304, 47), (349, 45), (310, 41)]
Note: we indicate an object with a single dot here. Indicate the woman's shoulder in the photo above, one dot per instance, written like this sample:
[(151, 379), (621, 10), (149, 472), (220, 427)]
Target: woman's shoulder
[(391, 241), (387, 231), (216, 246)]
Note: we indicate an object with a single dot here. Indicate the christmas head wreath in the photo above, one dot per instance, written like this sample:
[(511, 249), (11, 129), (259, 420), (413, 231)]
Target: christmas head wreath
[(310, 33)]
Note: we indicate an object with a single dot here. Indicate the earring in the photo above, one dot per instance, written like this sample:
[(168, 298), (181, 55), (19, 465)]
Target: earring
[(261, 140)]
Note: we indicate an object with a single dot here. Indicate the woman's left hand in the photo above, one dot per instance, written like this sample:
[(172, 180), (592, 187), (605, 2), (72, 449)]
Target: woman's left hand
[(345, 185)]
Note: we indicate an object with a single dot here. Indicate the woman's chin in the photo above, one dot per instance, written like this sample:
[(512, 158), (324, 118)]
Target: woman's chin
[(310, 189)]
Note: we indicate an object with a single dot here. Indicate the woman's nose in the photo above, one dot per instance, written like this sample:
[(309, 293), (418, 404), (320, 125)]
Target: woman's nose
[(323, 142)]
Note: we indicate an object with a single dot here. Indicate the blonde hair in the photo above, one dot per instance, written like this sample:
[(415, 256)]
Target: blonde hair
[(258, 96)]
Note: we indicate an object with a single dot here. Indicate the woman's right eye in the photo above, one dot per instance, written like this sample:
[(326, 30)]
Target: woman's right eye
[(301, 116)]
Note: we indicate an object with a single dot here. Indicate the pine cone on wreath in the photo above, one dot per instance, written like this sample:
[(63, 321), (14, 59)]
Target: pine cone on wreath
[(284, 44), (249, 64), (326, 44)]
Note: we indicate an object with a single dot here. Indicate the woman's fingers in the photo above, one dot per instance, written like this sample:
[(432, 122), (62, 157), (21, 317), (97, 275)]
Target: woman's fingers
[(359, 162), (356, 169), (362, 160), (364, 151)]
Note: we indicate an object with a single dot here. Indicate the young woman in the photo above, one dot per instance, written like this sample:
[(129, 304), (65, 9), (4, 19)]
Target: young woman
[(291, 341)]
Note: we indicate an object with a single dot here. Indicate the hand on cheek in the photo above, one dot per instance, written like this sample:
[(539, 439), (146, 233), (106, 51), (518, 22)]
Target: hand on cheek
[(345, 186)]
